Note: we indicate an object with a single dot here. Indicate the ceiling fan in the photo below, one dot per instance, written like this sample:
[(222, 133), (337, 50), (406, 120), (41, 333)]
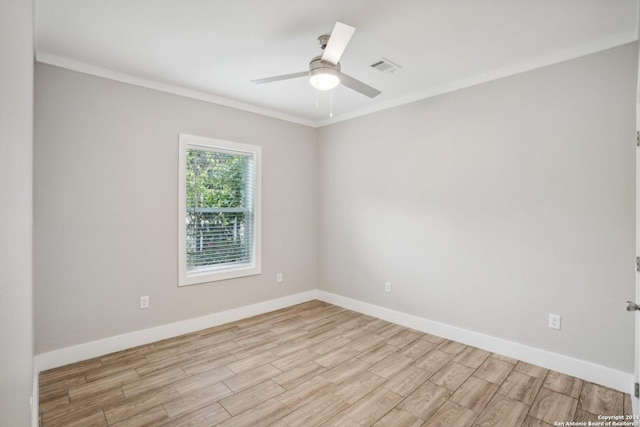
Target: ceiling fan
[(324, 70)]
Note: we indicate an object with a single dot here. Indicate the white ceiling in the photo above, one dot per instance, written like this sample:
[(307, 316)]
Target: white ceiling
[(210, 49)]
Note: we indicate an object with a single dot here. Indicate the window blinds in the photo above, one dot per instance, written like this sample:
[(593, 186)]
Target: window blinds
[(220, 209)]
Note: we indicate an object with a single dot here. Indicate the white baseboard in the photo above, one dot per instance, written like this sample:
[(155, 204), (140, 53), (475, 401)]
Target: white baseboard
[(618, 380), (77, 353)]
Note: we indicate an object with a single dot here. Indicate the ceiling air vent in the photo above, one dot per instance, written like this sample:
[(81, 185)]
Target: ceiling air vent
[(386, 66)]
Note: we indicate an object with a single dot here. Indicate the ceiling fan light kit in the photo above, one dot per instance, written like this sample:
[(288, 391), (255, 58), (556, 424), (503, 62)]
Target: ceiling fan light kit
[(323, 80), (323, 75)]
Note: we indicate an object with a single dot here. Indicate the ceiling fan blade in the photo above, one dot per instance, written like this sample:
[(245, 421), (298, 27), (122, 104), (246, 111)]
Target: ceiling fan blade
[(282, 77), (358, 86), (338, 41)]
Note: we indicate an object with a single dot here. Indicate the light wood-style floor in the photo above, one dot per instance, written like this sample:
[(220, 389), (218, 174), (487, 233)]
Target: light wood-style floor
[(315, 364)]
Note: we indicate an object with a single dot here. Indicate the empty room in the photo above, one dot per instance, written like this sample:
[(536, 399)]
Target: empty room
[(295, 213)]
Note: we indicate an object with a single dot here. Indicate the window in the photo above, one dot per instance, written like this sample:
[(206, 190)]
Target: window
[(219, 210)]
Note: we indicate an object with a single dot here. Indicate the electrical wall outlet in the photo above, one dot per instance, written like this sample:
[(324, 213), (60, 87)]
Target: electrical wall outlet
[(279, 278), (387, 286), (144, 301), (554, 321)]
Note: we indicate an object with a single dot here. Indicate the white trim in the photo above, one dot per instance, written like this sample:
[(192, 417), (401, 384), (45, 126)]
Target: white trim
[(35, 395), (618, 380), (82, 67), (224, 272), (77, 353), (528, 65), (510, 70)]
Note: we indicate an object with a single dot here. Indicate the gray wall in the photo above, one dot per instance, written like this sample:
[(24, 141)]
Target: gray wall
[(16, 161), (491, 207), (487, 208), (105, 184)]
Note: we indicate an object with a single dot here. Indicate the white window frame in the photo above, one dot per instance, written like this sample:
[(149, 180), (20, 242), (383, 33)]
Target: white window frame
[(186, 278)]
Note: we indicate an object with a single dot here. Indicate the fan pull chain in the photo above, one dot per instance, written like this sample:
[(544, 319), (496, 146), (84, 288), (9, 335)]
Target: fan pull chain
[(331, 105)]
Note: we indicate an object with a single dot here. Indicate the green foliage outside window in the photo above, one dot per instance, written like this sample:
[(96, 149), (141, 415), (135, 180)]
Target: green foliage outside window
[(219, 208)]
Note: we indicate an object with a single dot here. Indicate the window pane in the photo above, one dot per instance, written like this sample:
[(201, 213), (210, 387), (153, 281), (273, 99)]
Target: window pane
[(219, 216)]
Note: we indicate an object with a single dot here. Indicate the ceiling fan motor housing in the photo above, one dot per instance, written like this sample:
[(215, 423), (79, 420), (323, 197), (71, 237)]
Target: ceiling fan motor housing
[(317, 62)]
